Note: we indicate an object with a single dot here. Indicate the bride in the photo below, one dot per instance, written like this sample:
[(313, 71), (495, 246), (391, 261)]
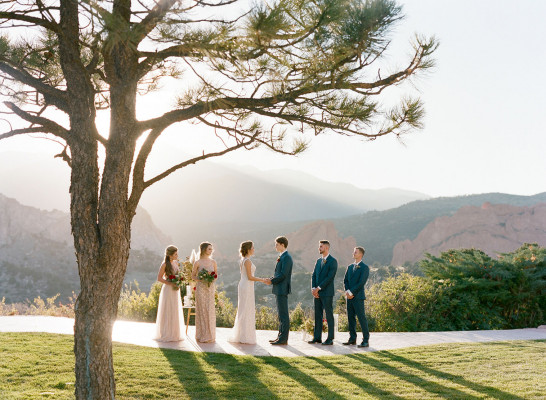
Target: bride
[(244, 329)]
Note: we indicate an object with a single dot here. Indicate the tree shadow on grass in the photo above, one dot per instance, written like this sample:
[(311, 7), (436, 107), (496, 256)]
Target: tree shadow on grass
[(243, 375), (487, 390), (365, 385), (190, 373), (311, 384), (432, 387)]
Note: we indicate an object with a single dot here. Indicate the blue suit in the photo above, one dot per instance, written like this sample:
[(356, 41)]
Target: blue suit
[(323, 277), (354, 281), (281, 289)]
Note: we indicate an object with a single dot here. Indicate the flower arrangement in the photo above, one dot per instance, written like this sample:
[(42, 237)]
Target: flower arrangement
[(178, 279), (186, 268), (206, 276), (308, 326)]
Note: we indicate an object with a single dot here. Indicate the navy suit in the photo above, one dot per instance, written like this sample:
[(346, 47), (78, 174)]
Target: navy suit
[(323, 277), (354, 281), (281, 289)]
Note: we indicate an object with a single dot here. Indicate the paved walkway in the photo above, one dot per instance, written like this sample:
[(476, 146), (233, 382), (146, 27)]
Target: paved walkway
[(141, 333)]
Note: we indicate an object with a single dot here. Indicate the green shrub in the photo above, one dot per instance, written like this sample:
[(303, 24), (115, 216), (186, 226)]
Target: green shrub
[(225, 311), (266, 319), (401, 303), (462, 290), (486, 293), (137, 305)]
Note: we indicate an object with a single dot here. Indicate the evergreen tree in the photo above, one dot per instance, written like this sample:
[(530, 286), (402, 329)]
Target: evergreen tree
[(265, 76)]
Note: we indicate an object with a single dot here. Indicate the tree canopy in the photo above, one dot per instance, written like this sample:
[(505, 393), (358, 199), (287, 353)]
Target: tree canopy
[(278, 68), (257, 77)]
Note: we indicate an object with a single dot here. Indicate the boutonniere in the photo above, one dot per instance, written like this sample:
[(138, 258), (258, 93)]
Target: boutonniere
[(357, 266), (278, 259)]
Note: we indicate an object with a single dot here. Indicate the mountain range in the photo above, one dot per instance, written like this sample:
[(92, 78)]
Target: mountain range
[(223, 205), (37, 251)]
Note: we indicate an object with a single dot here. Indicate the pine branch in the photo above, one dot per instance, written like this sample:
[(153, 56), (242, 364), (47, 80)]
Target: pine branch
[(148, 23), (52, 95), (15, 16), (47, 125), (15, 132)]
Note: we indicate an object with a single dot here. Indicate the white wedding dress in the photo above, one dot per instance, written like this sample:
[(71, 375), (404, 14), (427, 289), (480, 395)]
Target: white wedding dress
[(244, 329)]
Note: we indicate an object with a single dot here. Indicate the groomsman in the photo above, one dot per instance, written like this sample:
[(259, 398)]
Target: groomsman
[(322, 288), (356, 276), (281, 288)]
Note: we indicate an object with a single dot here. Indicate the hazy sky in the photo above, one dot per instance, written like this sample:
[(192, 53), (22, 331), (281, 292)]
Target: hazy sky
[(484, 130)]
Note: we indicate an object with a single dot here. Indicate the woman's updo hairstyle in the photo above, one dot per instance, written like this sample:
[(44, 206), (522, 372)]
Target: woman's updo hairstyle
[(245, 247), (203, 247)]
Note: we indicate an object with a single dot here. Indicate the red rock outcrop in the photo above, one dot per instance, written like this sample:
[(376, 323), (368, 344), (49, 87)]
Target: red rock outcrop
[(491, 228), (303, 244)]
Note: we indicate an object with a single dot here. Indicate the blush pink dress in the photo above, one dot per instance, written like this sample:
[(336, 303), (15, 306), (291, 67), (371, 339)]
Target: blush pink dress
[(205, 313), (170, 317)]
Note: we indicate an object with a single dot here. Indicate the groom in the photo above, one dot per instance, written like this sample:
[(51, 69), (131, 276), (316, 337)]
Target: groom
[(281, 288)]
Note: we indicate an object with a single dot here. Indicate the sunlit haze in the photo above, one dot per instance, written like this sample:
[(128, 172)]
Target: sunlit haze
[(484, 100)]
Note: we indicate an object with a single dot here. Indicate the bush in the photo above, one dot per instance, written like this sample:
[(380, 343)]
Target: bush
[(266, 319), (486, 293), (5, 309), (136, 305), (401, 304), (225, 311), (462, 290)]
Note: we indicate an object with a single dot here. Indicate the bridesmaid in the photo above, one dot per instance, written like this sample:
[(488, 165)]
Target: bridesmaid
[(205, 313), (170, 319)]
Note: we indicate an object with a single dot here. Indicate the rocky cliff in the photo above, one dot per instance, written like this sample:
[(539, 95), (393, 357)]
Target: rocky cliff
[(491, 228), (37, 252), (303, 244)]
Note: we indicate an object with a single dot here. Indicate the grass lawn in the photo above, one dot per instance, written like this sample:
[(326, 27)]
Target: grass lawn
[(40, 366)]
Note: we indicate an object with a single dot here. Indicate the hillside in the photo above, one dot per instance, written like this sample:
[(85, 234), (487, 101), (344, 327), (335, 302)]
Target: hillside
[(491, 228), (379, 231), (207, 195), (37, 252)]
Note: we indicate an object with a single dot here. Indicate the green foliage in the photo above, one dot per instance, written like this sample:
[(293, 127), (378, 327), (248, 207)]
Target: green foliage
[(225, 311), (401, 303), (137, 305), (493, 294), (266, 319), (464, 289)]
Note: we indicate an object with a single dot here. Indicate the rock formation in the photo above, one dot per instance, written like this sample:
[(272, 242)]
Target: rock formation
[(303, 244), (491, 228)]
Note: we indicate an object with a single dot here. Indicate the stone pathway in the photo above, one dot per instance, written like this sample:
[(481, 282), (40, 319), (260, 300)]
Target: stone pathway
[(141, 333)]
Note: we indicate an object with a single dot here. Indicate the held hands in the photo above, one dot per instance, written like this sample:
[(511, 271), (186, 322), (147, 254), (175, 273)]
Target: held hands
[(267, 281)]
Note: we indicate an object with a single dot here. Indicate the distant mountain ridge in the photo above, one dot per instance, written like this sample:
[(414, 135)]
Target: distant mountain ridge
[(37, 251), (208, 194), (494, 229), (379, 231)]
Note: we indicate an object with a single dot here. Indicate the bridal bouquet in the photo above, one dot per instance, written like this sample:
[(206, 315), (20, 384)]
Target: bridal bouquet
[(177, 279), (207, 276)]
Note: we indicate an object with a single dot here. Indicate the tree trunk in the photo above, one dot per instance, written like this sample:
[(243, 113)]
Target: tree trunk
[(101, 225), (101, 232)]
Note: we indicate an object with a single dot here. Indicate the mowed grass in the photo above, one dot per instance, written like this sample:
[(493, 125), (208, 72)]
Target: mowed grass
[(40, 366)]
